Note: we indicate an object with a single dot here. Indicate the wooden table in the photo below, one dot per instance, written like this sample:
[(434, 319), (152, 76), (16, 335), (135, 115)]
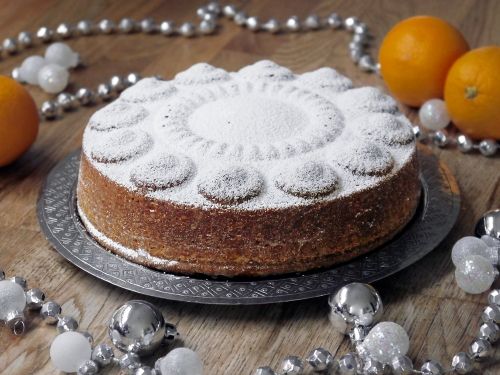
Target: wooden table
[(440, 319)]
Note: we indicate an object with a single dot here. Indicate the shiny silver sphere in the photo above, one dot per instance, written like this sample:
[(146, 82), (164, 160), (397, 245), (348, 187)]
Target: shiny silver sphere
[(488, 147), (64, 31), (464, 143), (25, 39), (489, 224), (137, 327)]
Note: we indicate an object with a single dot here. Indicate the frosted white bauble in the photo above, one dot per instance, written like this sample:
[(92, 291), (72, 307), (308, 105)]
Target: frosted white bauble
[(434, 115), (475, 274), (471, 246), (61, 54), (385, 341), (53, 78), (28, 72), (69, 350), (181, 361), (12, 298)]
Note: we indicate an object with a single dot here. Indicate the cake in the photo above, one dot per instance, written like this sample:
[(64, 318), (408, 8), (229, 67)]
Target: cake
[(248, 173)]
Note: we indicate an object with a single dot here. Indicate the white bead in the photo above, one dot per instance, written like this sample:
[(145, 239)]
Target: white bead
[(12, 298), (472, 246), (434, 115), (475, 274), (385, 341), (181, 361), (30, 67), (53, 78), (61, 54), (69, 350)]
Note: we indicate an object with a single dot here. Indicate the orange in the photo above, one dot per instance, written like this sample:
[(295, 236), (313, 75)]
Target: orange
[(415, 57), (472, 93), (18, 120)]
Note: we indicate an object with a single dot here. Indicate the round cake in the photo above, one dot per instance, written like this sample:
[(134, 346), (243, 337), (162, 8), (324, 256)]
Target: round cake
[(249, 173)]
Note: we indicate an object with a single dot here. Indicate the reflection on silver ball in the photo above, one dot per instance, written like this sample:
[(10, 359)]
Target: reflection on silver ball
[(25, 39), (293, 23), (488, 147), (273, 26), (464, 143), (137, 327), (167, 28), (84, 27), (187, 29)]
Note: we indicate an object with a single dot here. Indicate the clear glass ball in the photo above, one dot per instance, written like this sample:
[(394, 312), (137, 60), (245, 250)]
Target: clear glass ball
[(61, 54), (28, 72), (475, 274), (12, 298), (434, 115), (181, 361), (69, 350), (53, 78), (387, 340), (471, 246)]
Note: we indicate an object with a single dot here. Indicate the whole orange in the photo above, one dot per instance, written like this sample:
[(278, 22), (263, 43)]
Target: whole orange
[(415, 57), (472, 93), (18, 120)]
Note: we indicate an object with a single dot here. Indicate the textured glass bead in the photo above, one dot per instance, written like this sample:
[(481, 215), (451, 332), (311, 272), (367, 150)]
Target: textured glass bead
[(475, 274), (489, 331), (292, 365), (66, 323), (130, 362), (88, 367), (494, 297), (50, 310), (491, 314), (320, 359), (387, 340), (12, 298), (402, 365), (349, 364), (372, 367), (30, 67), (434, 115), (69, 351), (182, 361), (480, 349), (53, 78), (61, 54), (471, 246), (432, 368), (461, 363), (103, 354), (34, 298), (265, 370)]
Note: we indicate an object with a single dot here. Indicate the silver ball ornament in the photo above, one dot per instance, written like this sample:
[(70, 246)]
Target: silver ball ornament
[(147, 25), (373, 367), (88, 367), (366, 63), (207, 27), (349, 364), (480, 349), (334, 21), (106, 26), (50, 311), (265, 370), (214, 8), (253, 23), (126, 25), (489, 225), (493, 297), (488, 147), (229, 10), (167, 28), (145, 370), (187, 29), (293, 23), (356, 54), (462, 363), (432, 368), (116, 83), (292, 365), (25, 39), (350, 23), (272, 25), (34, 299), (440, 139), (66, 324), (132, 78), (44, 34), (49, 110), (105, 92), (240, 18), (360, 29), (130, 362), (103, 355), (16, 322), (10, 46), (21, 281), (464, 143), (64, 31), (84, 27), (312, 22), (491, 314), (85, 96), (66, 101), (402, 365), (320, 359)]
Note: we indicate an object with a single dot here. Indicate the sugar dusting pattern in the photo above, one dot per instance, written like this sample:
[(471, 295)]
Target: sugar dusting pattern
[(365, 158), (121, 145), (148, 90), (201, 73), (117, 115)]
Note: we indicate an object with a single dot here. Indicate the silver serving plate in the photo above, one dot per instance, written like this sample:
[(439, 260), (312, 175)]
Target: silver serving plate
[(61, 224)]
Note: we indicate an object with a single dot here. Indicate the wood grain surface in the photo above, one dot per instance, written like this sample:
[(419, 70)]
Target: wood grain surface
[(440, 318)]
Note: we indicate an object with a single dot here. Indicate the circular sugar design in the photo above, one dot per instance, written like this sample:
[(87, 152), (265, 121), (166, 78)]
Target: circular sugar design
[(250, 121), (148, 90), (201, 73), (120, 145), (384, 127), (359, 101), (266, 70), (117, 115), (231, 185), (164, 172), (365, 159), (325, 78), (310, 179)]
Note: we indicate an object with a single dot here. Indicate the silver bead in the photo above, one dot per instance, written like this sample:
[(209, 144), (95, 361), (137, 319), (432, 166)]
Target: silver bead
[(130, 362), (312, 22), (44, 34), (432, 368), (210, 17), (320, 359), (207, 27), (229, 10), (10, 45), (359, 40), (2, 274), (493, 297), (253, 23), (349, 364), (66, 324), (372, 367), (356, 54), (25, 39), (171, 332), (357, 302), (137, 326), (84, 27), (50, 311), (89, 337), (21, 281), (461, 363), (360, 29), (265, 370), (489, 331), (167, 28), (489, 224), (293, 23), (214, 7), (402, 365), (187, 29), (116, 83), (88, 367), (103, 355), (292, 365), (440, 139), (148, 25), (358, 334), (334, 21), (491, 314), (272, 25), (488, 147), (34, 299), (240, 18), (105, 92), (67, 101), (16, 322), (200, 12), (480, 349), (106, 26), (85, 96), (49, 110), (419, 135), (131, 79), (464, 143), (64, 31), (145, 370), (350, 23), (366, 63), (126, 25)]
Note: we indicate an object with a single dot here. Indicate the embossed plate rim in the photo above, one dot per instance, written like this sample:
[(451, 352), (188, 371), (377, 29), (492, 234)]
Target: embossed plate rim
[(61, 225)]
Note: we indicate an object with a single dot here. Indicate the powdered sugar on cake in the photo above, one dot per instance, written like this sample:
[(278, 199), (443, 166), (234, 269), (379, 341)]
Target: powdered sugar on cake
[(262, 137)]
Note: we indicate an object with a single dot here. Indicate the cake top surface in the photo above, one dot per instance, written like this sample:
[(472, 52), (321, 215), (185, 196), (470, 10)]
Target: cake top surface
[(262, 137)]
